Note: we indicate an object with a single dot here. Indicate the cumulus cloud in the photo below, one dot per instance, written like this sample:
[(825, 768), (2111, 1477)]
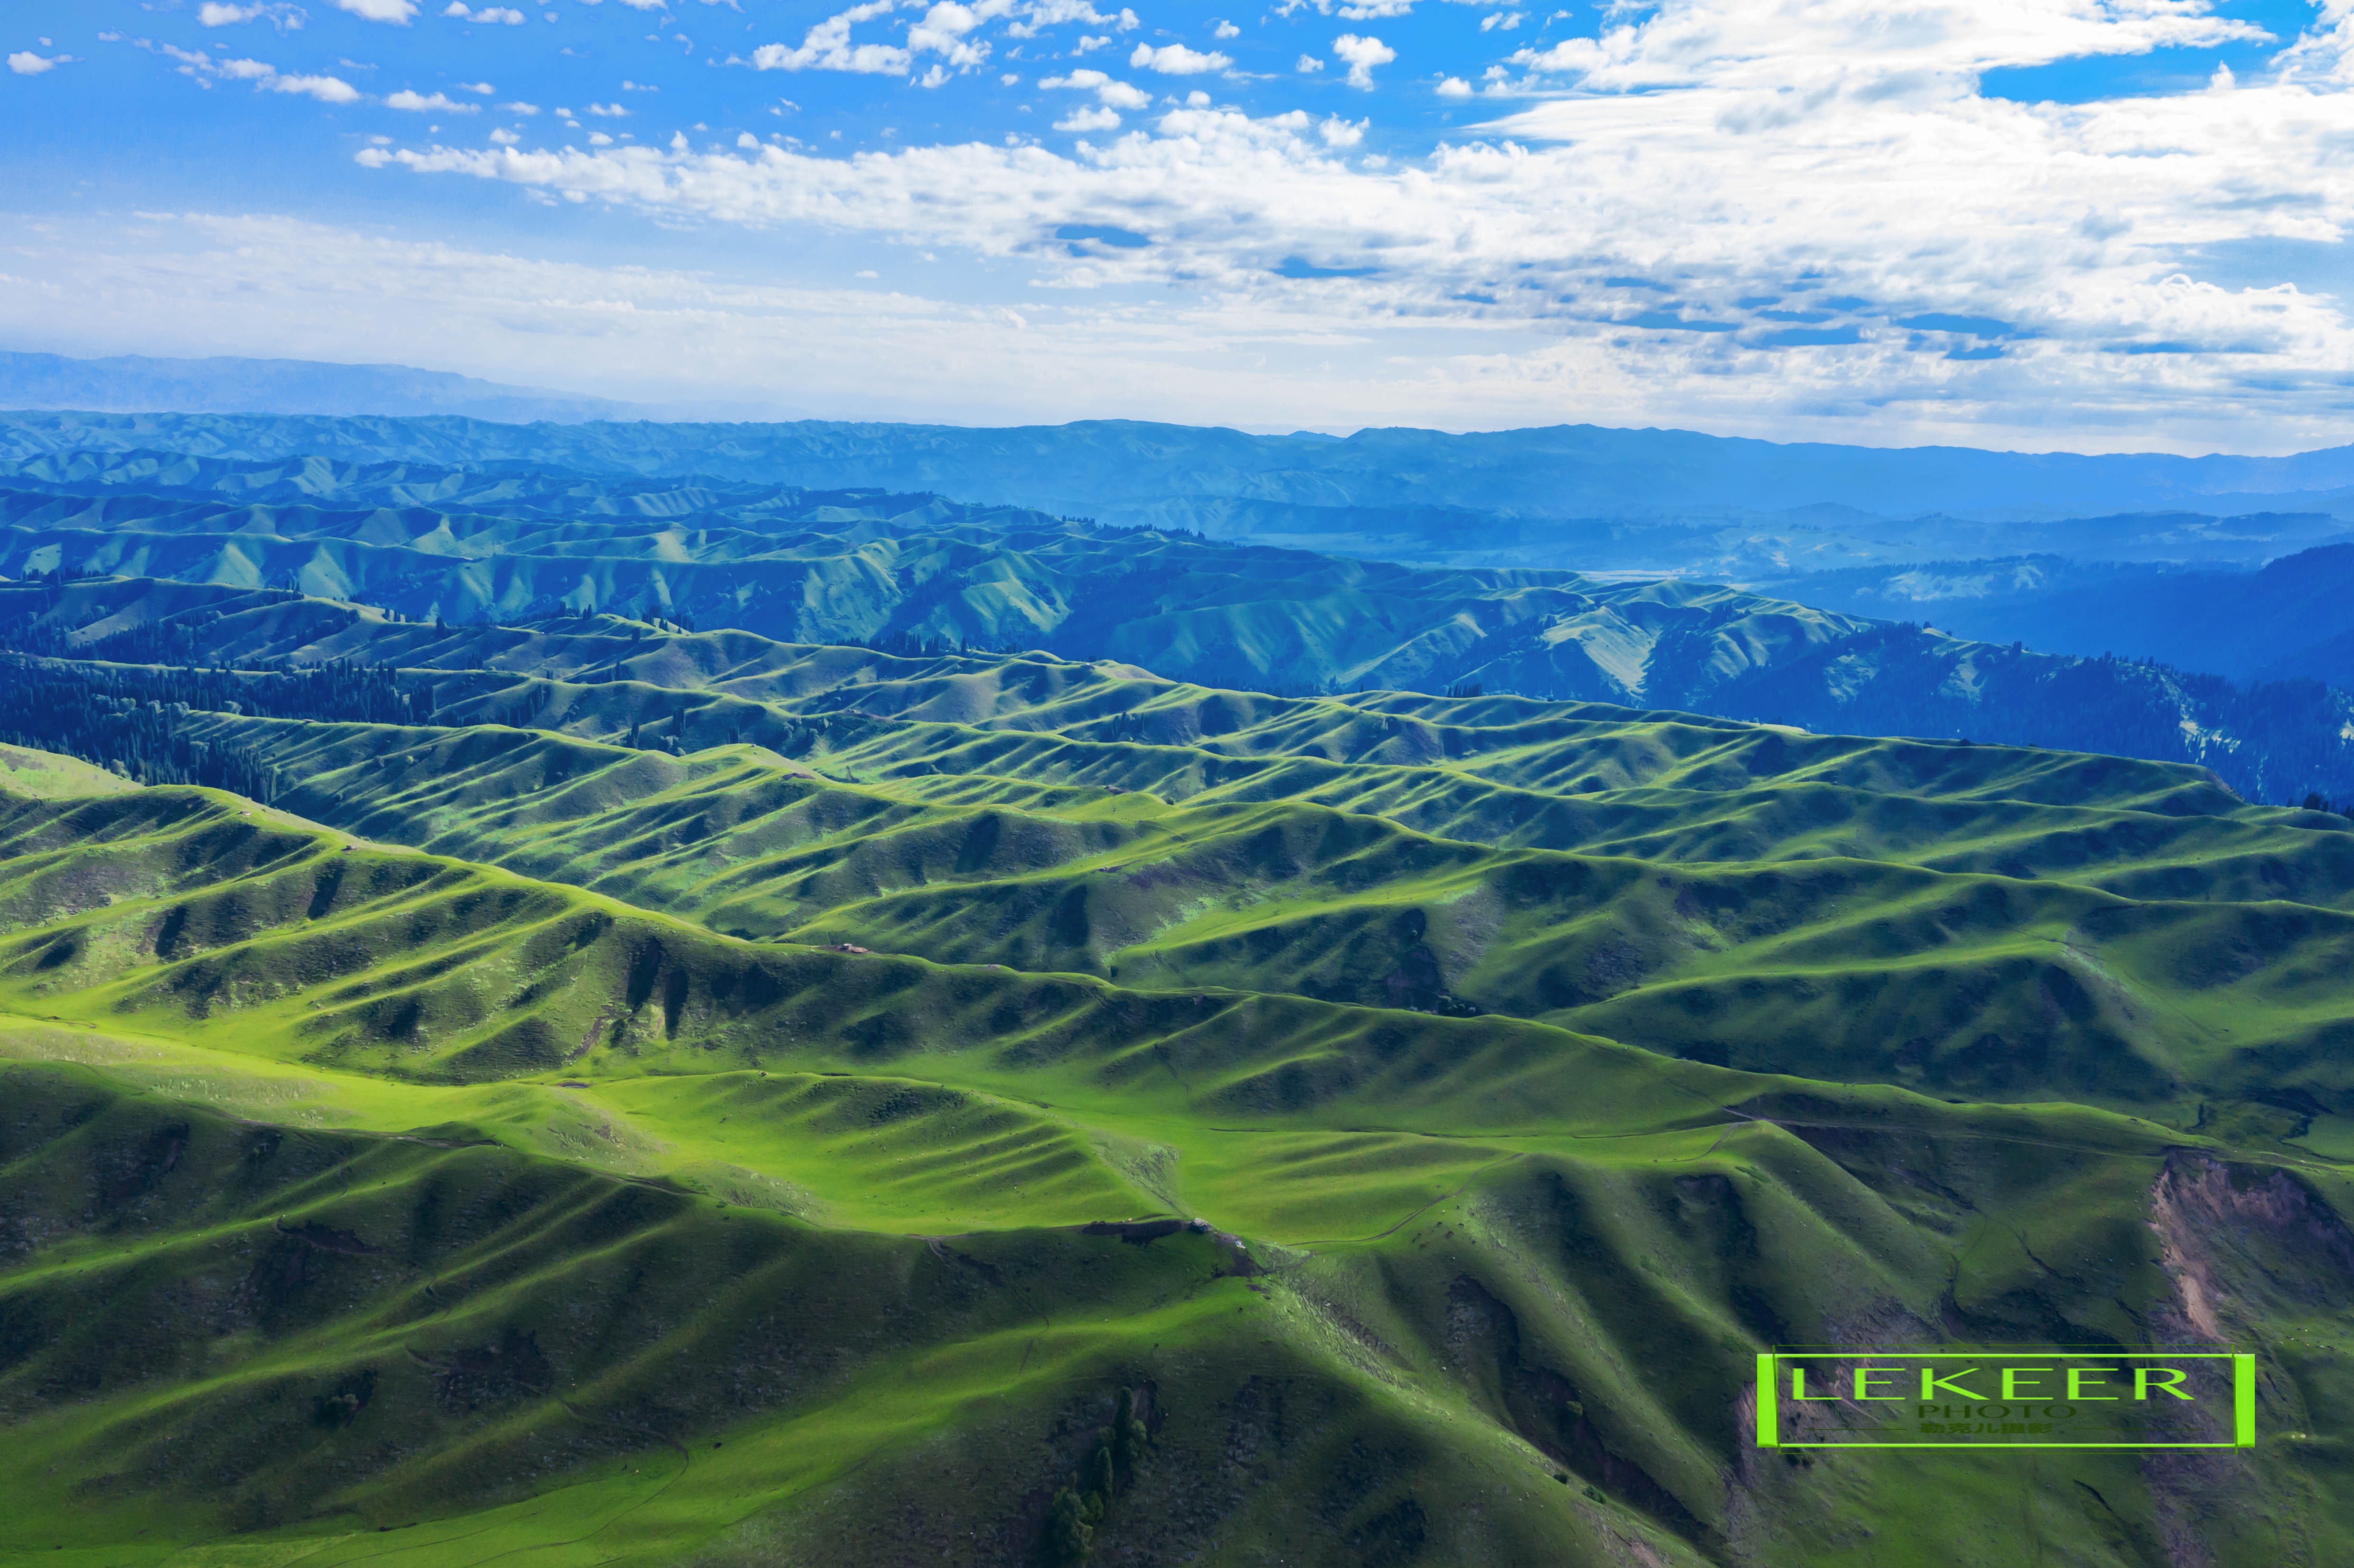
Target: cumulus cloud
[(1308, 63), (25, 62), (264, 75), (1833, 192), (498, 16), (1176, 60), (380, 10), (1110, 93), (1226, 30), (1754, 44), (326, 88), (946, 29), (429, 102), (2083, 225), (827, 47), (1360, 56), (1046, 14), (214, 14), (949, 29), (1356, 10)]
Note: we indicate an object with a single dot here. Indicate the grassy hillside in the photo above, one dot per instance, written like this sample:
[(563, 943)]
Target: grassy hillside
[(600, 1093), (327, 1227), (1962, 919)]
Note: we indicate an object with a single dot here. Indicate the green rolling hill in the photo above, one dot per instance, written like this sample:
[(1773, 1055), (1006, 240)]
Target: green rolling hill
[(584, 1092), (508, 544)]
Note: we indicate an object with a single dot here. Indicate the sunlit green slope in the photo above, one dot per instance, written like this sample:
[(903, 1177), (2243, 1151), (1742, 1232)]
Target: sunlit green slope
[(1972, 920), (634, 1295), (696, 1099)]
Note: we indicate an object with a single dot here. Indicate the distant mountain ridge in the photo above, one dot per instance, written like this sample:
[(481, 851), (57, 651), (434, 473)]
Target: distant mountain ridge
[(2292, 620), (511, 541), (136, 383), (1118, 470)]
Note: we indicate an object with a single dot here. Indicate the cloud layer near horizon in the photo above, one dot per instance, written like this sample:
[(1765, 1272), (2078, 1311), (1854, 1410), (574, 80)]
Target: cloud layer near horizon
[(1760, 215)]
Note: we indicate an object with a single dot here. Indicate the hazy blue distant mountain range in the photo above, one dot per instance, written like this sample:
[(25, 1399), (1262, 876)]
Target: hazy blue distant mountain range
[(134, 384), (513, 542), (1399, 494), (2289, 619)]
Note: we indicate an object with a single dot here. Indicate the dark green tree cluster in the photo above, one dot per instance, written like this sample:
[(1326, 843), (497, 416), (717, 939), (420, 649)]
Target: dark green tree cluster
[(1110, 1466), (29, 623), (919, 645), (134, 719)]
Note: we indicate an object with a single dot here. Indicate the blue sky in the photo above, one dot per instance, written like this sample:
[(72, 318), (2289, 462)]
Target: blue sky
[(2033, 223)]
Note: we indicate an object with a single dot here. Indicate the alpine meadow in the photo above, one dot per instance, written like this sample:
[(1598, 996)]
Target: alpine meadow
[(1042, 784)]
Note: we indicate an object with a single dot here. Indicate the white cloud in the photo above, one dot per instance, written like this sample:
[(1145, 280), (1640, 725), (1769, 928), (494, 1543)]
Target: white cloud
[(806, 343), (1227, 30), (1362, 55), (213, 15), (1747, 44), (1340, 132), (1310, 63), (1094, 119), (1111, 93), (1817, 162), (1009, 79), (248, 70), (2083, 225), (326, 88), (598, 139), (1373, 10), (484, 87), (1045, 14), (424, 103), (519, 106), (504, 137), (1176, 60), (380, 10), (1506, 20), (945, 27), (827, 47), (609, 110), (25, 62), (497, 16)]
